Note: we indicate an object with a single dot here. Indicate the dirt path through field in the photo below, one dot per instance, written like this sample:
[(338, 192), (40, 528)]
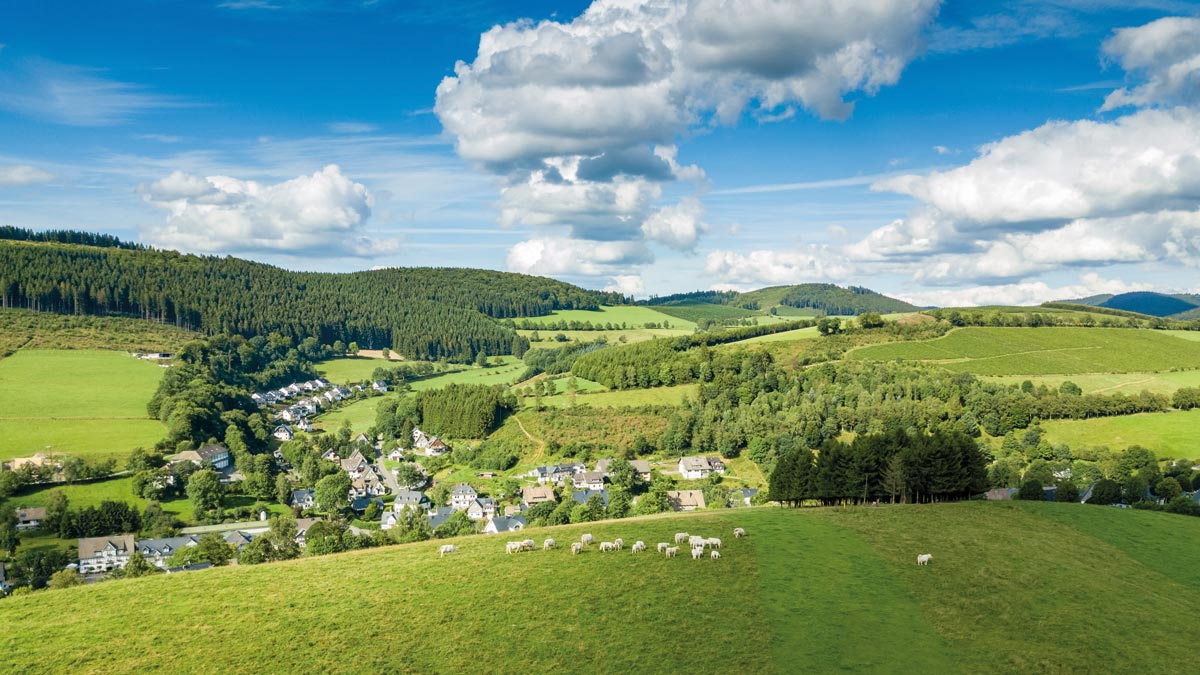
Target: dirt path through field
[(1124, 384), (541, 444)]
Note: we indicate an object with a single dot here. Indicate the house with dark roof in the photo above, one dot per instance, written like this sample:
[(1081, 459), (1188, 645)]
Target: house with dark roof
[(302, 525), (499, 524), (462, 496), (284, 433), (582, 496), (481, 508), (157, 551), (360, 504), (303, 499), (411, 498), (699, 467), (238, 539), (439, 516), (588, 480)]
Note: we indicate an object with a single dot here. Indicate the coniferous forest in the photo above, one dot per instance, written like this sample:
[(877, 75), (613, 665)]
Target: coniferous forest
[(427, 313)]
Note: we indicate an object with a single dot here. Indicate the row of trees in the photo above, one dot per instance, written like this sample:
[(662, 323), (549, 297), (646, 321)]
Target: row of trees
[(896, 467), (456, 411)]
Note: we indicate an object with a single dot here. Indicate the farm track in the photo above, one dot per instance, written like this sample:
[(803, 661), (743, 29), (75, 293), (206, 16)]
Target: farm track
[(541, 444)]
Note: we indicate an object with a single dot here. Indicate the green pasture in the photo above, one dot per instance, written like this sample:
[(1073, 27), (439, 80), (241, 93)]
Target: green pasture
[(1169, 434), (1012, 588), (1111, 383), (634, 316), (1044, 351)]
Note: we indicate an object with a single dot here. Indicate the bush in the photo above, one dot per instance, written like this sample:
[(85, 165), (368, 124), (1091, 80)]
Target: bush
[(1184, 506), (1031, 490), (1066, 491), (1105, 492)]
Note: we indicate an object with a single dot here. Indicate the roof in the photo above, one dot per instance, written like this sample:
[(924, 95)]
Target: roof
[(410, 498), (38, 513), (591, 476), (90, 546), (303, 495), (302, 525), (700, 463), (686, 499), (439, 516), (582, 496), (463, 489), (603, 464), (538, 493), (238, 538), (210, 451), (165, 547), (362, 503), (502, 524), (641, 465)]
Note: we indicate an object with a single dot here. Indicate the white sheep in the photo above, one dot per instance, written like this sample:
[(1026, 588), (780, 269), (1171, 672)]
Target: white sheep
[(576, 548), (738, 533), (697, 553), (587, 539), (663, 546), (680, 537), (713, 542), (447, 548), (548, 544), (607, 546), (619, 544), (672, 551), (695, 541), (528, 545), (639, 546), (924, 558), (716, 555), (512, 547)]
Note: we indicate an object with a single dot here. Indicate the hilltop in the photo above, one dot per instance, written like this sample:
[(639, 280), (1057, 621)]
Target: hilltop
[(1177, 306), (796, 300), (1013, 587)]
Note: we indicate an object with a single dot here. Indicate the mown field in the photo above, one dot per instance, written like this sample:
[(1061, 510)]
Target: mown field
[(89, 403), (633, 316), (42, 330), (628, 398), (613, 337), (349, 369), (1169, 435), (1111, 383), (696, 311), (1044, 351), (1012, 588)]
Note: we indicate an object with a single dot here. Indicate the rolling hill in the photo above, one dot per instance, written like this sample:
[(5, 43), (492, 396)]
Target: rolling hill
[(1145, 302), (1013, 588), (821, 298)]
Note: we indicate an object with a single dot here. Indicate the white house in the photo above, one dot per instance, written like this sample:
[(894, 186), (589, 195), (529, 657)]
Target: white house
[(700, 467), (380, 386), (105, 554), (303, 499), (157, 551), (481, 508), (304, 425), (500, 524), (462, 496), (589, 480), (284, 433)]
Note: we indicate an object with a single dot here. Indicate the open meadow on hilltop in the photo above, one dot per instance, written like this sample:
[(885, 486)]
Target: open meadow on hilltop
[(1169, 434), (89, 403), (1111, 383), (631, 316), (1012, 588), (1044, 351)]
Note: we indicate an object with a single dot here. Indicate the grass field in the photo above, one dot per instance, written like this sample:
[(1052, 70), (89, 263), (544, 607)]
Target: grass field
[(1190, 335), (89, 403), (1012, 588), (809, 333), (1171, 434), (349, 369), (628, 398), (1111, 383), (1044, 351), (695, 311), (632, 315), (43, 330)]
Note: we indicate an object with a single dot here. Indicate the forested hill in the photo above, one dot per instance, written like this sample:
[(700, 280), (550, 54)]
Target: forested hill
[(418, 312), (825, 298), (1178, 306)]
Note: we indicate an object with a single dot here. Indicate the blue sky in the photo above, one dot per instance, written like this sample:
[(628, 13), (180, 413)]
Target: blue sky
[(994, 152)]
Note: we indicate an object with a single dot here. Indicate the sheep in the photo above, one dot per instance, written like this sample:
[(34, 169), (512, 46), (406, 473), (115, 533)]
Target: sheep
[(738, 533), (548, 544), (576, 548), (672, 551), (716, 555), (587, 540), (696, 541), (607, 546), (619, 544), (713, 542), (639, 546), (697, 553), (924, 558), (512, 547), (663, 546), (447, 548), (528, 545), (680, 537)]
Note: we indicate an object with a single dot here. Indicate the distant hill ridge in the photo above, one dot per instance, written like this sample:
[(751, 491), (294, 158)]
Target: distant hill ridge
[(1146, 302), (823, 298)]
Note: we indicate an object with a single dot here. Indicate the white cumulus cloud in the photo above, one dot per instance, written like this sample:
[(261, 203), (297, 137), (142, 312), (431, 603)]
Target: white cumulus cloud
[(1164, 56), (321, 213)]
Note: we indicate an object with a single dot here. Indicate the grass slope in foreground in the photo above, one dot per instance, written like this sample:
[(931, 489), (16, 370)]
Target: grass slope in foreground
[(1044, 351), (87, 403), (1026, 588)]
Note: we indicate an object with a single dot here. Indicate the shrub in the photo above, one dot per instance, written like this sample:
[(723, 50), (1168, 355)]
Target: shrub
[(1031, 490)]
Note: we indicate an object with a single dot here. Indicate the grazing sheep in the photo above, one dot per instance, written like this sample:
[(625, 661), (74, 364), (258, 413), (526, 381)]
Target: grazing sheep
[(576, 548), (713, 542), (447, 548), (672, 551), (639, 546), (696, 541), (697, 553), (924, 558), (607, 546), (663, 546), (548, 544), (512, 547), (716, 555), (619, 544), (587, 540), (738, 533), (680, 537), (528, 545)]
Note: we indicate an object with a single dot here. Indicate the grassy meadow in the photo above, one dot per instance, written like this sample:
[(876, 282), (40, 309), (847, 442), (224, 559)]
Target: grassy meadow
[(44, 330), (1169, 434), (696, 311), (1044, 351), (1112, 383), (633, 316), (349, 368), (89, 403), (1012, 588)]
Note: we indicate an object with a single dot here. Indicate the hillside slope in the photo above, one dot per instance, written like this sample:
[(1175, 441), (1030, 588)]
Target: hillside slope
[(823, 298), (1145, 302), (418, 312), (1034, 588)]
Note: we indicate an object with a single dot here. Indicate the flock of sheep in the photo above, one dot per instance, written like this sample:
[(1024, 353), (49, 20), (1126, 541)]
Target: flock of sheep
[(697, 544)]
